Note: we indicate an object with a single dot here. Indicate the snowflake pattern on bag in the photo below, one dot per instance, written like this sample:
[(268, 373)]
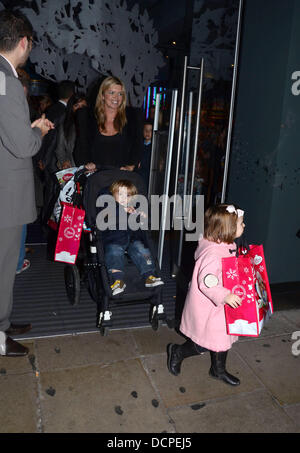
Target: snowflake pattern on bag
[(250, 279), (231, 274), (68, 219)]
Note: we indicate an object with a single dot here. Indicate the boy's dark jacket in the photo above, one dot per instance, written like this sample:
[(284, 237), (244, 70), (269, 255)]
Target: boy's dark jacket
[(118, 236)]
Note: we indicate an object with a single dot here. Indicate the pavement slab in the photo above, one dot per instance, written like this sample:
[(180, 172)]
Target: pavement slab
[(17, 365), (194, 385), (18, 403), (294, 412), (150, 342), (272, 361), (254, 412), (116, 398), (293, 316), (86, 383), (79, 350)]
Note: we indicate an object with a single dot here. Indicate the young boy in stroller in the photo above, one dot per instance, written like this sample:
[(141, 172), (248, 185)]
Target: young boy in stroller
[(117, 241)]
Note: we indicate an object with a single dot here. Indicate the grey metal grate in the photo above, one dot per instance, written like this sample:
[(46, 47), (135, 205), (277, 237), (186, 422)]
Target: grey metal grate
[(40, 298)]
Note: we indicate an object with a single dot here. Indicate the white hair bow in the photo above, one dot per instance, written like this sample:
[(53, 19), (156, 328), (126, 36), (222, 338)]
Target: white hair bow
[(231, 209)]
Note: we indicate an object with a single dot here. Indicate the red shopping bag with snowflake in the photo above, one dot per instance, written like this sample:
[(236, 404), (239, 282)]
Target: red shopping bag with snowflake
[(69, 234), (246, 276)]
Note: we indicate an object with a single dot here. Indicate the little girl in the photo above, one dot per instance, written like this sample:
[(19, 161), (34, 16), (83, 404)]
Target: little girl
[(203, 317)]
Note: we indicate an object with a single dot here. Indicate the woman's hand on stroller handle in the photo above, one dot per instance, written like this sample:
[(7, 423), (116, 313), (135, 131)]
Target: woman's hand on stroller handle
[(90, 166), (79, 173)]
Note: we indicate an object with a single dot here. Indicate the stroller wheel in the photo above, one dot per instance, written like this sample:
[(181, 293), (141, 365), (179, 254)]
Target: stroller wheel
[(156, 323), (72, 282)]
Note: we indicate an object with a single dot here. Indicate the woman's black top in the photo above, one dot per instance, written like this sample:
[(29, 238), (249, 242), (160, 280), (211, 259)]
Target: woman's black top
[(122, 149), (108, 151)]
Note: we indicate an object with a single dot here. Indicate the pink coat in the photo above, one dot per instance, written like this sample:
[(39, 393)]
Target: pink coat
[(203, 317)]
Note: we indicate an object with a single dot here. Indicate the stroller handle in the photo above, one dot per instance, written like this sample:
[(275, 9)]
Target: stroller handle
[(85, 170), (79, 173)]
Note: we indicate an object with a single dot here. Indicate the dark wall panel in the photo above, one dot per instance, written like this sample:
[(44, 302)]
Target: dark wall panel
[(265, 157)]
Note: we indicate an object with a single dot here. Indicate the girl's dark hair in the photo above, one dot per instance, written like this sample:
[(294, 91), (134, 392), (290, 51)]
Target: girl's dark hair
[(219, 224), (13, 26), (69, 120)]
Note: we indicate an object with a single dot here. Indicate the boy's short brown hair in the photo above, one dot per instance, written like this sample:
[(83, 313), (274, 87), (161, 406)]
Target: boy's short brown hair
[(131, 188), (219, 224)]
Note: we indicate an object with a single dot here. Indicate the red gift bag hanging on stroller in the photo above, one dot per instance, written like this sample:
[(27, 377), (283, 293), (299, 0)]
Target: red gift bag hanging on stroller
[(71, 222), (69, 234), (246, 276)]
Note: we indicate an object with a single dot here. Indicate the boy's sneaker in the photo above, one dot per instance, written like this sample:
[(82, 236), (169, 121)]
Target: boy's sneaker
[(118, 287), (25, 265), (153, 281)]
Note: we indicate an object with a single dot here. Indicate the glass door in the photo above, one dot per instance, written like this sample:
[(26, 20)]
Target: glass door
[(172, 180)]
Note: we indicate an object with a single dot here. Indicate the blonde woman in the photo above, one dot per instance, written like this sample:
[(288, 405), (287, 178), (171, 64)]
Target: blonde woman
[(118, 136)]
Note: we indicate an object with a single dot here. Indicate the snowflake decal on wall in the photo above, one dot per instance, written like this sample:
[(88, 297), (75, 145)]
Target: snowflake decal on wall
[(83, 40)]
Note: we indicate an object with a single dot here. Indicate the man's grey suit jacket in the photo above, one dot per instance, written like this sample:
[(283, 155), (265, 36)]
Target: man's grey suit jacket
[(18, 143)]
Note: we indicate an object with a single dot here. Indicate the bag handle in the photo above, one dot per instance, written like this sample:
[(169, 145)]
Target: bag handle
[(242, 246)]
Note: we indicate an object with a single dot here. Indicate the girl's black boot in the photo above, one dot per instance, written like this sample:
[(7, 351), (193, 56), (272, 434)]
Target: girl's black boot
[(218, 370), (176, 354)]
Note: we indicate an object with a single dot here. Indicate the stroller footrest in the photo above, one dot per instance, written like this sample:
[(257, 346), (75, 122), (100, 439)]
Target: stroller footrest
[(158, 309), (104, 318), (158, 313)]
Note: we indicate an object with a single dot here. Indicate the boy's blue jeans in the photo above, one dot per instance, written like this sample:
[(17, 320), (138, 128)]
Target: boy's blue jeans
[(140, 255)]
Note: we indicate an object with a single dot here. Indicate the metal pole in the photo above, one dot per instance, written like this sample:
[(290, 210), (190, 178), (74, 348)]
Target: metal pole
[(188, 145), (167, 178), (154, 140), (187, 157), (180, 123), (196, 134), (236, 58)]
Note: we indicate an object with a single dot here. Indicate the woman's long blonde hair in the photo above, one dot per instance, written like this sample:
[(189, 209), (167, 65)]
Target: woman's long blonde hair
[(120, 119)]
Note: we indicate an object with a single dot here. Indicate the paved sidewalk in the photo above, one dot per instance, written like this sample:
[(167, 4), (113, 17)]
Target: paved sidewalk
[(120, 384)]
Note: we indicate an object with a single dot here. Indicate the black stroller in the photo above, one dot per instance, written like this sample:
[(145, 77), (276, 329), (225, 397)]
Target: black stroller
[(90, 268)]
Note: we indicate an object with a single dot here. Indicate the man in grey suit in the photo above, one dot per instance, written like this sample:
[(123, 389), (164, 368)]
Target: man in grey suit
[(19, 141)]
